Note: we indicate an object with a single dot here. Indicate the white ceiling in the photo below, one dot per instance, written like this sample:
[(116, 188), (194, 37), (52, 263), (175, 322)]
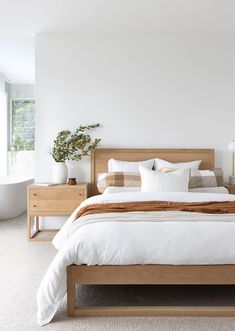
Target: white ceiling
[(21, 20)]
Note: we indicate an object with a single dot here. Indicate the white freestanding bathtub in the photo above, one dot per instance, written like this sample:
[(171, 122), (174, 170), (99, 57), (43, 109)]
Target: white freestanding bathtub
[(13, 196)]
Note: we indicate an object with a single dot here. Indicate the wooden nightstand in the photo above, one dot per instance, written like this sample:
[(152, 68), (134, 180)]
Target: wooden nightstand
[(58, 200), (230, 188)]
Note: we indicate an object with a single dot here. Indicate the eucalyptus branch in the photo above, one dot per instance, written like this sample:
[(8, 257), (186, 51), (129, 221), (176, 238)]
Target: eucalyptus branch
[(74, 145)]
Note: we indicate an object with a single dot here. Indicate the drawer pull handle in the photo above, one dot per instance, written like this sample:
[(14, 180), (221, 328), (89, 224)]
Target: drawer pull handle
[(80, 194), (35, 194), (34, 206)]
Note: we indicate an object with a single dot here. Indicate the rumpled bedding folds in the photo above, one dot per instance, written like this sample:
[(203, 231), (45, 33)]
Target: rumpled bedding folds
[(138, 237)]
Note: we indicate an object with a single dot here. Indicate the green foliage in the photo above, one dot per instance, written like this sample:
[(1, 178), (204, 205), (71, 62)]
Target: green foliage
[(23, 126), (74, 145), (21, 145)]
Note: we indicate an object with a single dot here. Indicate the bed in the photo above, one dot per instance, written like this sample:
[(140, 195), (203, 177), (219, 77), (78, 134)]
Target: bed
[(191, 268)]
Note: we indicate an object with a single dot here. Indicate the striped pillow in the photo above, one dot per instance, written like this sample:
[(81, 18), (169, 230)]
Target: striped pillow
[(118, 179), (156, 181)]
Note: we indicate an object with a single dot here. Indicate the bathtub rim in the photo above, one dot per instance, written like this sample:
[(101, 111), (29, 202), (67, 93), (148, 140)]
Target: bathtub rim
[(17, 180)]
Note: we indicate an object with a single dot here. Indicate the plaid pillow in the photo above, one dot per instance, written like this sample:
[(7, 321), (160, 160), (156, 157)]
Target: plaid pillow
[(206, 178), (202, 178), (118, 179)]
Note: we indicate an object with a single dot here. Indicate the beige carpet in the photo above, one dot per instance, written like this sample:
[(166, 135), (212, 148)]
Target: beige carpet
[(23, 264)]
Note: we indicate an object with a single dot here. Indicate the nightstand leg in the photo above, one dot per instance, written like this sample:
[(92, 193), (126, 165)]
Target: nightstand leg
[(29, 227), (31, 234), (37, 223)]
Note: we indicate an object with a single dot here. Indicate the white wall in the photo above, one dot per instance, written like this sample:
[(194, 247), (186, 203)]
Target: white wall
[(156, 91)]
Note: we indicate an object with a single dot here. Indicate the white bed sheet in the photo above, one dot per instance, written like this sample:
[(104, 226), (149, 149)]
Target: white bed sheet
[(137, 238)]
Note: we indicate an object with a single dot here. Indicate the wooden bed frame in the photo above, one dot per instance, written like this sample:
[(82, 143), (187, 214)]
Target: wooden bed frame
[(148, 274)]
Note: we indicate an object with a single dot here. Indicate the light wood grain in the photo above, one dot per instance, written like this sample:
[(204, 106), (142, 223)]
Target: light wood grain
[(59, 200), (151, 275), (154, 274), (100, 157), (71, 282), (56, 198), (202, 311)]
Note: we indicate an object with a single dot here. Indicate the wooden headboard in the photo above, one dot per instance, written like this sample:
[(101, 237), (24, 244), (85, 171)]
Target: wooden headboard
[(100, 157)]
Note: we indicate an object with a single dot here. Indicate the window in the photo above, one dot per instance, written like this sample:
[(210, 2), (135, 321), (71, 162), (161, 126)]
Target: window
[(22, 125)]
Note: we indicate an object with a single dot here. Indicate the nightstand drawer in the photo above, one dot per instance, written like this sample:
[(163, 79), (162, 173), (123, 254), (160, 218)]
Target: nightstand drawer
[(57, 194), (56, 199), (54, 205)]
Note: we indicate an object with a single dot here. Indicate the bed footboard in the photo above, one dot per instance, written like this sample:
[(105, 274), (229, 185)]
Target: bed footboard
[(149, 275)]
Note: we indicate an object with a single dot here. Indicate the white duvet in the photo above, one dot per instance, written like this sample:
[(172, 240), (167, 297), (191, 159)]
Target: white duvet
[(137, 238)]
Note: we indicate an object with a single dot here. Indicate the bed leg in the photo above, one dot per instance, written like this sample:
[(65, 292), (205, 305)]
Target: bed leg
[(70, 293)]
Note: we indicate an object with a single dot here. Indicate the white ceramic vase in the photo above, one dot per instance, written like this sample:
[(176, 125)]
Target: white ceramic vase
[(59, 173)]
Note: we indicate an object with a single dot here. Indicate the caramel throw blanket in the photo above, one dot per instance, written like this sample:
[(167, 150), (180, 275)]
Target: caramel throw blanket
[(211, 207)]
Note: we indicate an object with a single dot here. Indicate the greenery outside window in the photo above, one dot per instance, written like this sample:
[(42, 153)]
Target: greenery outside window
[(22, 125)]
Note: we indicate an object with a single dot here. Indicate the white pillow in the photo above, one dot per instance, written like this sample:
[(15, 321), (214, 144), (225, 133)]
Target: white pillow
[(116, 189), (155, 181), (159, 163), (116, 165)]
